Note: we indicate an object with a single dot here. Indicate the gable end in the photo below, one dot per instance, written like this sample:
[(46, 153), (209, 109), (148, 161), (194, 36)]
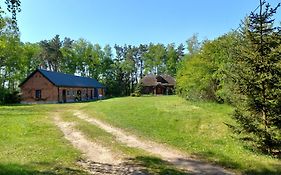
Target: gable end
[(31, 75)]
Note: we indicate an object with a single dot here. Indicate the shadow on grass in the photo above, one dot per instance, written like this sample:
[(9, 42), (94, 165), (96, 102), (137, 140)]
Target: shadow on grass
[(133, 166), (229, 162), (225, 161), (158, 166), (262, 172), (16, 169)]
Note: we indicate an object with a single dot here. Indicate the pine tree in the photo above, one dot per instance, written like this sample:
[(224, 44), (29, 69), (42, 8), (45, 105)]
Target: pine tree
[(259, 81)]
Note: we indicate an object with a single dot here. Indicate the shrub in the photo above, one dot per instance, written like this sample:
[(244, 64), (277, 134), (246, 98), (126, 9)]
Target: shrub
[(7, 97), (206, 75), (135, 94)]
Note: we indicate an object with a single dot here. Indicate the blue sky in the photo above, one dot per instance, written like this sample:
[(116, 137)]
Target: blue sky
[(131, 21)]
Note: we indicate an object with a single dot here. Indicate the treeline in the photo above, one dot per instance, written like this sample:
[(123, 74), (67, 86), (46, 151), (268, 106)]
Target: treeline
[(120, 68)]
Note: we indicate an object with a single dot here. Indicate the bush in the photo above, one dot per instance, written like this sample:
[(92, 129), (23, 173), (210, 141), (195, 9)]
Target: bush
[(206, 75), (7, 97), (135, 94), (138, 90), (12, 97)]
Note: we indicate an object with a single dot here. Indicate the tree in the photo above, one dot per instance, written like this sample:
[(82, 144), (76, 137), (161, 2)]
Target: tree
[(205, 74), (193, 45), (51, 54), (142, 49), (13, 6), (94, 61), (30, 54), (258, 79), (69, 61), (172, 59), (107, 71), (11, 59), (180, 52), (155, 59), (119, 74)]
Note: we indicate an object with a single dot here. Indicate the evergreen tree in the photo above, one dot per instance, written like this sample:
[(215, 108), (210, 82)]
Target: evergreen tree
[(258, 78), (51, 53)]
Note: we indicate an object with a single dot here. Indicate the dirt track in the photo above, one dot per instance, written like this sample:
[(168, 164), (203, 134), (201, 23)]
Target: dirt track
[(172, 156), (97, 159)]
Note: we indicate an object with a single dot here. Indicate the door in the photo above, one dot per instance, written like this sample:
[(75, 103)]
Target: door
[(159, 90), (91, 96), (96, 93), (78, 97), (64, 95)]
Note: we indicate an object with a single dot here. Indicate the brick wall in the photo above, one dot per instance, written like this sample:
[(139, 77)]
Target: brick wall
[(49, 92), (71, 94), (53, 94)]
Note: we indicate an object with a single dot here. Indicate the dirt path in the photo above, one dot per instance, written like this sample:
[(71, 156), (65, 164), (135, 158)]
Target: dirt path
[(170, 155), (98, 159)]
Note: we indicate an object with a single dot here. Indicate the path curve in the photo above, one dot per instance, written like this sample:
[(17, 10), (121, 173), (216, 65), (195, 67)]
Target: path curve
[(90, 150), (168, 154), (98, 159)]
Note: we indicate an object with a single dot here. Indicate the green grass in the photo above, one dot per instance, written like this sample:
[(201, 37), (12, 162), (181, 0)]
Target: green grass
[(194, 127), (31, 144), (152, 164)]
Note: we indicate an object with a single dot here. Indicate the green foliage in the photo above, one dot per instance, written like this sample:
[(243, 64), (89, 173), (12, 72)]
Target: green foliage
[(135, 94), (3, 93), (193, 45), (258, 80), (120, 74), (11, 97), (193, 78), (11, 60), (138, 90), (155, 59), (51, 54), (31, 58), (172, 59), (205, 72)]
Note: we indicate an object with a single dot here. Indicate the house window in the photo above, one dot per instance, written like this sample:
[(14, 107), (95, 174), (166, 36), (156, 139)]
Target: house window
[(38, 94), (67, 92)]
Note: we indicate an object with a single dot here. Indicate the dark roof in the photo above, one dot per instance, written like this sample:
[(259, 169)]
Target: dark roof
[(61, 79), (169, 79), (154, 80)]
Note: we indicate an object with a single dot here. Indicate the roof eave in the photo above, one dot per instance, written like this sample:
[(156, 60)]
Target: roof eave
[(30, 75)]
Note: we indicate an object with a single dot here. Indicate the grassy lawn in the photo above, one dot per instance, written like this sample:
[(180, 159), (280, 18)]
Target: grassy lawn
[(196, 128), (31, 144)]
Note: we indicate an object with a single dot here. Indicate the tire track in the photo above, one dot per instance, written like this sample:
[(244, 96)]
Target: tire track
[(98, 159), (172, 156)]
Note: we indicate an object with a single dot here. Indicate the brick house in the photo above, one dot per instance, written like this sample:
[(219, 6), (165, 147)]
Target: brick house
[(158, 84), (43, 86)]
